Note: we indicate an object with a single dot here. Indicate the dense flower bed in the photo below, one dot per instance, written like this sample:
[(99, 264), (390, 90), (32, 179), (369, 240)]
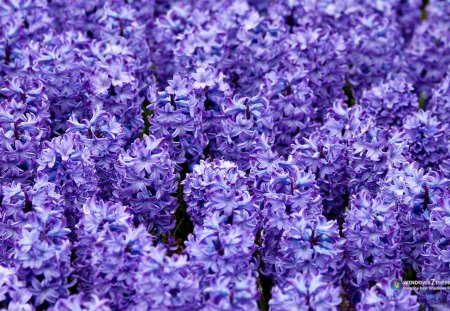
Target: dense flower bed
[(224, 155)]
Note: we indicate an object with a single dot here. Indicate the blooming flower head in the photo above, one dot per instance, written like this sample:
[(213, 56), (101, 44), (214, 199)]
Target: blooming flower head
[(369, 227), (305, 291), (390, 101), (427, 138), (66, 160), (217, 186), (147, 182), (383, 296)]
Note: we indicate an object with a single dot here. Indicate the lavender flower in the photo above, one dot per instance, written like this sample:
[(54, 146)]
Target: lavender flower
[(321, 64), (436, 264), (244, 120), (147, 182), (13, 293), (65, 87), (222, 245), (24, 126), (66, 161), (311, 245), (105, 138), (373, 237), (81, 302), (375, 150), (115, 261), (383, 296), (390, 101), (164, 282), (427, 53), (439, 103), (328, 158), (375, 44), (221, 248), (97, 216), (305, 291), (15, 206), (217, 186), (427, 138), (291, 195), (237, 293), (414, 190), (42, 251), (177, 116), (263, 162)]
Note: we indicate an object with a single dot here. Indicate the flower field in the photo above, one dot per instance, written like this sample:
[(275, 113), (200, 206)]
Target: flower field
[(224, 155)]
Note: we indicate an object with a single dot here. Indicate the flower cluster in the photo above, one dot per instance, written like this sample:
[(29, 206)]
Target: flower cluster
[(327, 157), (66, 162), (146, 182), (218, 186), (391, 101), (426, 55), (436, 263), (305, 291), (177, 115), (223, 242), (41, 244), (427, 137), (24, 127), (414, 191), (438, 104), (373, 236), (105, 138), (383, 297)]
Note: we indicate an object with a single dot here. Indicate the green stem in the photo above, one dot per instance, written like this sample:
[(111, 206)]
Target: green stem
[(349, 93), (262, 303), (423, 9), (422, 101)]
